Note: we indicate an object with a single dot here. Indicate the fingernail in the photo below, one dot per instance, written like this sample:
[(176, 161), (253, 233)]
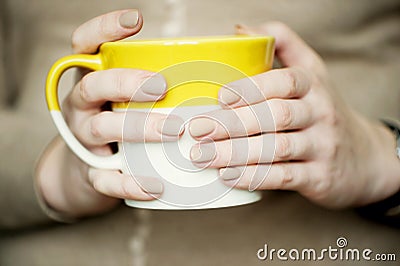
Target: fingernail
[(228, 97), (150, 185), (171, 126), (155, 85), (238, 28), (202, 153), (201, 127), (229, 173), (129, 19), (244, 29)]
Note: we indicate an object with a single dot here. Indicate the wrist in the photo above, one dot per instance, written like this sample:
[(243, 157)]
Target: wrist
[(62, 183), (387, 210), (384, 163), (381, 164), (48, 187)]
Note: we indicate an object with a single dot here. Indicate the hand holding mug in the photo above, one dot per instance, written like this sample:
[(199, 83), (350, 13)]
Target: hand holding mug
[(67, 184), (315, 144)]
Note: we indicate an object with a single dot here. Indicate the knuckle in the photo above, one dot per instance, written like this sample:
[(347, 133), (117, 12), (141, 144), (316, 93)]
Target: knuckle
[(284, 117), (321, 187), (232, 157), (332, 116), (103, 25), (97, 182), (321, 184), (76, 40), (283, 148), (290, 77), (120, 92), (308, 114), (285, 177), (84, 92), (142, 131), (236, 126), (258, 86), (96, 126), (332, 149)]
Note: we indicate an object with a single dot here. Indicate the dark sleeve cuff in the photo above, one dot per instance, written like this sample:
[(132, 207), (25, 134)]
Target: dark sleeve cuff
[(386, 211)]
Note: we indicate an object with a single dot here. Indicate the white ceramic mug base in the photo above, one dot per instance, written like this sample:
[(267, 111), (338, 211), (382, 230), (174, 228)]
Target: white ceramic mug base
[(233, 198), (185, 186)]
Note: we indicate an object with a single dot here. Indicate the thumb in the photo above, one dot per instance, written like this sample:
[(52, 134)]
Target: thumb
[(109, 27), (290, 49)]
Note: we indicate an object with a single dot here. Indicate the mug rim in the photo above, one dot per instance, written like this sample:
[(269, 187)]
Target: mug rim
[(190, 40)]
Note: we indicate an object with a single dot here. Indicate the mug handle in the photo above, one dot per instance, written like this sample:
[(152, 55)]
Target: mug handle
[(93, 62)]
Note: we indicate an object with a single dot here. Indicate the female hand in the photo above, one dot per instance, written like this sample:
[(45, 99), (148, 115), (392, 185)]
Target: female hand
[(292, 131), (67, 184)]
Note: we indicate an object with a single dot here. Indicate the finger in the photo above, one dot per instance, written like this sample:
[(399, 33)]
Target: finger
[(265, 148), (290, 49), (286, 176), (271, 116), (115, 184), (286, 83), (106, 127), (117, 85), (112, 26)]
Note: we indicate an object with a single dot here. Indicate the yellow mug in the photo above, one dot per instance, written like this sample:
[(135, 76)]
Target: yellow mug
[(195, 69)]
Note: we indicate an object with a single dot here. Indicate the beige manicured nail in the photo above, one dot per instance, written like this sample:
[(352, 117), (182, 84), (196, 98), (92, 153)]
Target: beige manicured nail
[(238, 26), (239, 29), (201, 127), (228, 97), (150, 185), (229, 173), (129, 19), (170, 126), (155, 85), (202, 153)]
